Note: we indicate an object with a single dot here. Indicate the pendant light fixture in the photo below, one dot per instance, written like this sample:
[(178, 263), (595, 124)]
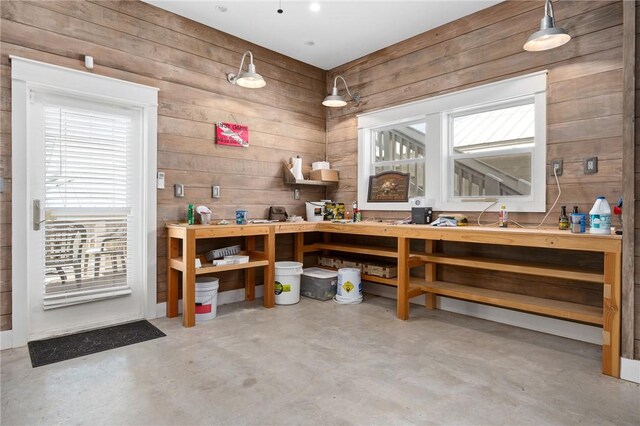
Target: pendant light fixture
[(249, 79), (336, 101), (549, 36)]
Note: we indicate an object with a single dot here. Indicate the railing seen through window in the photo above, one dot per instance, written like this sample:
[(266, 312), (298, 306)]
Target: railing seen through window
[(402, 149)]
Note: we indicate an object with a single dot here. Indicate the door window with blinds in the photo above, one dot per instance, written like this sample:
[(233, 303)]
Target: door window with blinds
[(90, 174)]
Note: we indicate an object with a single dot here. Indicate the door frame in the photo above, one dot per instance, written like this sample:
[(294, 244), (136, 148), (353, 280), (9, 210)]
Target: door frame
[(27, 74)]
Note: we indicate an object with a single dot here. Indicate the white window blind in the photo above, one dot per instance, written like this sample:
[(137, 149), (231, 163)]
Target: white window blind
[(88, 198)]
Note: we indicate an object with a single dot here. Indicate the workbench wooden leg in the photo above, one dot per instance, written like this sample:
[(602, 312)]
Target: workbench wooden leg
[(611, 312), (403, 278), (430, 275), (269, 270), (173, 248), (298, 245), (250, 273), (189, 279), (430, 301)]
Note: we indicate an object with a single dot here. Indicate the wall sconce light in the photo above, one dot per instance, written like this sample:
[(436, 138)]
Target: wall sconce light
[(549, 35), (334, 100), (249, 79)]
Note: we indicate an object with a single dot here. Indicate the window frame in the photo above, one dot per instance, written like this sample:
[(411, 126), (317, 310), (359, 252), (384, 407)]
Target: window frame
[(436, 112)]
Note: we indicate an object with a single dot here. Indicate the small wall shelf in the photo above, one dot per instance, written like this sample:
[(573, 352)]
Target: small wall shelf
[(290, 179)]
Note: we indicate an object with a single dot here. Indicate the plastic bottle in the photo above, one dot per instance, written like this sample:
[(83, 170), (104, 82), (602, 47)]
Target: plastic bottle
[(503, 217), (354, 205), (600, 217), (190, 215), (563, 221)]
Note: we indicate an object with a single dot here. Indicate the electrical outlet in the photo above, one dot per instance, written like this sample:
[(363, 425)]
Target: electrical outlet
[(215, 191), (296, 193), (591, 165), (160, 182), (557, 166), (178, 190)]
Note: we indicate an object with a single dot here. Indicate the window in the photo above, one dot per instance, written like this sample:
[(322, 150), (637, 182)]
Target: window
[(463, 149), (401, 149), (89, 171), (491, 150)]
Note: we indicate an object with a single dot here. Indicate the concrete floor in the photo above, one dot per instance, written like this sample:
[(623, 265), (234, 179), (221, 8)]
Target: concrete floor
[(321, 363)]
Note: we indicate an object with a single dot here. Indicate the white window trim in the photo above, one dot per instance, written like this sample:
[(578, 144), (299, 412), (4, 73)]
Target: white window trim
[(435, 111), (28, 74)]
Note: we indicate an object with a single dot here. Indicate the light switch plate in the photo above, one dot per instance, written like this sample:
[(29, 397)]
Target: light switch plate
[(590, 165), (296, 193), (160, 183), (215, 191), (178, 190)]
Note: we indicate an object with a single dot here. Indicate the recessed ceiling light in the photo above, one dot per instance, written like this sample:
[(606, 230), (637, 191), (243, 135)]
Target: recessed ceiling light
[(221, 8), (314, 6)]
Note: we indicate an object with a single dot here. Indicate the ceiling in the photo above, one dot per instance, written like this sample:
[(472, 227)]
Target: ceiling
[(342, 30)]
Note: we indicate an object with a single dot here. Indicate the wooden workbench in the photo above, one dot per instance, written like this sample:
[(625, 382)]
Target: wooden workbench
[(182, 253)]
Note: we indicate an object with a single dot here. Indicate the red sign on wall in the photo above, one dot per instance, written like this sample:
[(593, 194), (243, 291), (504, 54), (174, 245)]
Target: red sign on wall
[(232, 134)]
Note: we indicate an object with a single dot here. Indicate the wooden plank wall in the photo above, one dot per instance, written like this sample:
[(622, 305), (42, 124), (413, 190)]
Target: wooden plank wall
[(636, 350), (584, 88), (584, 109), (137, 42)]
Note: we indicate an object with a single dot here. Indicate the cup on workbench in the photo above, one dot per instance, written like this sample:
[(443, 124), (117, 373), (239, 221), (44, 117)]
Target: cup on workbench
[(241, 217)]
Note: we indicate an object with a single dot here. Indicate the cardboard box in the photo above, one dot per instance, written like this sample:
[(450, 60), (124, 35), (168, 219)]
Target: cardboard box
[(380, 270), (331, 262), (324, 175), (345, 263), (385, 270)]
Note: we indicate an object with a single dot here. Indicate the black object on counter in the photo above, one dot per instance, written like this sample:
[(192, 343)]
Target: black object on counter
[(421, 215)]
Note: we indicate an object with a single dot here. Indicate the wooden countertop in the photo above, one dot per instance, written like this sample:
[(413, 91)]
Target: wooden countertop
[(531, 237)]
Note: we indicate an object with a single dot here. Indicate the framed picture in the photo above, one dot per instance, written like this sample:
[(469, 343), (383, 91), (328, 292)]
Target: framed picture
[(390, 187), (232, 134)]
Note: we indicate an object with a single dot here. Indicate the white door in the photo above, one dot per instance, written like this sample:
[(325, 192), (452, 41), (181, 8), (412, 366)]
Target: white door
[(84, 146), (85, 176)]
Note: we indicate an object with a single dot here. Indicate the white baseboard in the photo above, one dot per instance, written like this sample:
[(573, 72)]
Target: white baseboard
[(571, 330), (224, 298), (161, 310), (6, 339), (630, 370)]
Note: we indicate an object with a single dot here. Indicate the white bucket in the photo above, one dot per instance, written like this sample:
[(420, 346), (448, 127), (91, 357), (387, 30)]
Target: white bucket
[(349, 286), (206, 298), (287, 285), (315, 211)]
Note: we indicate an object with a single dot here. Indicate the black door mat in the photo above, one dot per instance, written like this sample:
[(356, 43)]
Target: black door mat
[(61, 348)]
